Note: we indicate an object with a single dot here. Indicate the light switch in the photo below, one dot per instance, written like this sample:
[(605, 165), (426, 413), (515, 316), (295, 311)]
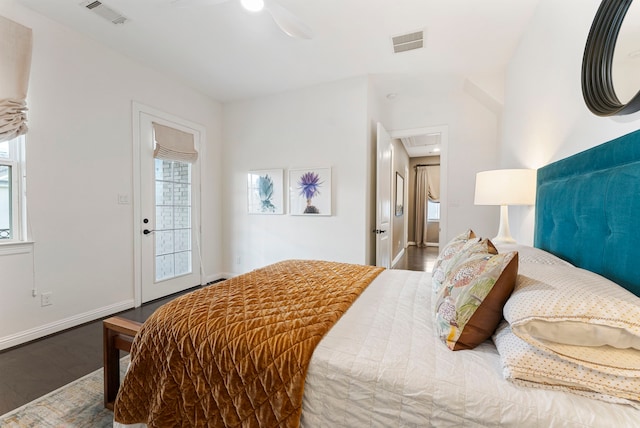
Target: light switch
[(123, 199)]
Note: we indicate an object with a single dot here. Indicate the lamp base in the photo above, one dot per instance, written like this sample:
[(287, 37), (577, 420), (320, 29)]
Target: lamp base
[(504, 235), (499, 240)]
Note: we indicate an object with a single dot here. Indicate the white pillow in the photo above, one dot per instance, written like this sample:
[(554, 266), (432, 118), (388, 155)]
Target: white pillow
[(560, 308), (528, 254), (529, 366)]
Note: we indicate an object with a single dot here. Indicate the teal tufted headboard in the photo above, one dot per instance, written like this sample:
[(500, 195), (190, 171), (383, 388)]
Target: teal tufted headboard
[(588, 210)]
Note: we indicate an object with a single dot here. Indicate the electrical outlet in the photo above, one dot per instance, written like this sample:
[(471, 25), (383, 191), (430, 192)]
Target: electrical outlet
[(46, 299)]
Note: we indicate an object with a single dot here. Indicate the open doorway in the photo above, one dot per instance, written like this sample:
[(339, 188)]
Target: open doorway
[(425, 217)]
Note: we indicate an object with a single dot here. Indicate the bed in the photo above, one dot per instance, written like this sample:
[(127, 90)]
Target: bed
[(567, 352)]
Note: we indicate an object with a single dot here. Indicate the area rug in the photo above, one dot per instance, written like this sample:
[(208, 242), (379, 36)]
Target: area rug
[(77, 404)]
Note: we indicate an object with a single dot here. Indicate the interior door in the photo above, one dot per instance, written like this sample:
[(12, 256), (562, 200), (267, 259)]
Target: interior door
[(169, 211), (384, 167)]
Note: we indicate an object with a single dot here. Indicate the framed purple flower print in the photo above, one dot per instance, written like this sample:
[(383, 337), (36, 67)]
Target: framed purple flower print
[(310, 191)]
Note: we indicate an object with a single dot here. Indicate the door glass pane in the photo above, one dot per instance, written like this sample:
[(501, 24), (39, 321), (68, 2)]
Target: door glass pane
[(164, 267), (173, 219), (5, 202), (164, 242), (164, 217), (183, 263)]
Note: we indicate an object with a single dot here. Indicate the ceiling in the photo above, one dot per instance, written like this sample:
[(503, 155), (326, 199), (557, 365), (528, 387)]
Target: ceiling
[(422, 145), (230, 54)]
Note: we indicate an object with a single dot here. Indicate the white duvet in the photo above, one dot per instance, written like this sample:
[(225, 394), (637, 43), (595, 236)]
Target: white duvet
[(382, 366)]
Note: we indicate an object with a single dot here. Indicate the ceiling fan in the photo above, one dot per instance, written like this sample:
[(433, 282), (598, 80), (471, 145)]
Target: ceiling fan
[(290, 24)]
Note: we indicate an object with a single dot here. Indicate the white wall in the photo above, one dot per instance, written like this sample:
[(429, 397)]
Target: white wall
[(321, 126), (545, 117), (79, 159)]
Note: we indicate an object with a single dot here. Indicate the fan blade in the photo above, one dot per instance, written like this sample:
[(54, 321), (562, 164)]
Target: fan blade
[(188, 3), (287, 21)]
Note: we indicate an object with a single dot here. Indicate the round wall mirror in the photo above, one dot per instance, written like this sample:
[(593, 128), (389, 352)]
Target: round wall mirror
[(611, 61), (626, 57)]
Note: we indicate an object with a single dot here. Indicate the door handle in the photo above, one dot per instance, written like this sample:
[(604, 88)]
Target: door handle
[(379, 231), (147, 231)]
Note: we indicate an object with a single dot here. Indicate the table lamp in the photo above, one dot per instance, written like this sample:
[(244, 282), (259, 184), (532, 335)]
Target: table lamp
[(505, 187)]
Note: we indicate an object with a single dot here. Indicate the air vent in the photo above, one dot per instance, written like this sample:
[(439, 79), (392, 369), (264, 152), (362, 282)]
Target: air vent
[(422, 140), (105, 12), (408, 42)]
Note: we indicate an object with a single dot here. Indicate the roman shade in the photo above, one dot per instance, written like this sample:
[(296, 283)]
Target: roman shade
[(15, 64), (173, 144), (433, 183)]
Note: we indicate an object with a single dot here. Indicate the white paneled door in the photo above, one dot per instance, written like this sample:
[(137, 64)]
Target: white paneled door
[(168, 215), (384, 165)]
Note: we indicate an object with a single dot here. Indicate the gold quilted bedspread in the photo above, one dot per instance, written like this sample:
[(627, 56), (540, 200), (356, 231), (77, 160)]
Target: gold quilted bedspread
[(236, 353)]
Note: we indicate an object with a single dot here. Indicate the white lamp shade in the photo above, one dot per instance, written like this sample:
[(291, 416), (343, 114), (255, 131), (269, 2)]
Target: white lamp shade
[(506, 187)]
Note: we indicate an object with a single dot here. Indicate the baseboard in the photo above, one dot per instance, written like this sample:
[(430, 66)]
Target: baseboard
[(429, 244), (216, 277), (63, 324), (227, 275), (398, 257)]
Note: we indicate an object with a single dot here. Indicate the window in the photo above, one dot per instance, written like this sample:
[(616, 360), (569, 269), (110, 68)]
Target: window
[(12, 190), (173, 219), (433, 211)]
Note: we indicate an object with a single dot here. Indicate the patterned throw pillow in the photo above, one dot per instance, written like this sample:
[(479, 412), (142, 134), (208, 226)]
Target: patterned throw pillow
[(452, 248), (470, 247), (469, 306)]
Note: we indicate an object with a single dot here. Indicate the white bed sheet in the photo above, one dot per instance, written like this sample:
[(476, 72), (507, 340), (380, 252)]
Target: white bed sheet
[(382, 366)]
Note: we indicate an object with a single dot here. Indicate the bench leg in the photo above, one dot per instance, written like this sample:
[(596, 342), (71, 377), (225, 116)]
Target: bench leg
[(117, 334)]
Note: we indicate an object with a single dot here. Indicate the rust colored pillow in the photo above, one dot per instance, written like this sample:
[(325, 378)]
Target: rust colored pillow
[(469, 306)]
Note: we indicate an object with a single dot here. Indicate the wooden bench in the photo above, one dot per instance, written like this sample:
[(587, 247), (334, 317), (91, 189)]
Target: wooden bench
[(117, 334)]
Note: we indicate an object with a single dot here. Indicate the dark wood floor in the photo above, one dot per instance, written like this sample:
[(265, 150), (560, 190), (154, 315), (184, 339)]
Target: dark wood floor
[(418, 258), (32, 370)]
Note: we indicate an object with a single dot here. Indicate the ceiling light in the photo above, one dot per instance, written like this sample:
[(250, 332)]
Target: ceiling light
[(253, 5)]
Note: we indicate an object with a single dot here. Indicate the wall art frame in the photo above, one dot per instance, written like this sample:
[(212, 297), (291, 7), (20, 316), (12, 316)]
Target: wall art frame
[(310, 191), (265, 191), (399, 195)]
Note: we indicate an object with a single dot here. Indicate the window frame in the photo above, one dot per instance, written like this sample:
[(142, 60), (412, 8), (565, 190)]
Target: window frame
[(16, 163)]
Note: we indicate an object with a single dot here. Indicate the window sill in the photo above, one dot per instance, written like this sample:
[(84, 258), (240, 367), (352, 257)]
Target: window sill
[(16, 247)]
